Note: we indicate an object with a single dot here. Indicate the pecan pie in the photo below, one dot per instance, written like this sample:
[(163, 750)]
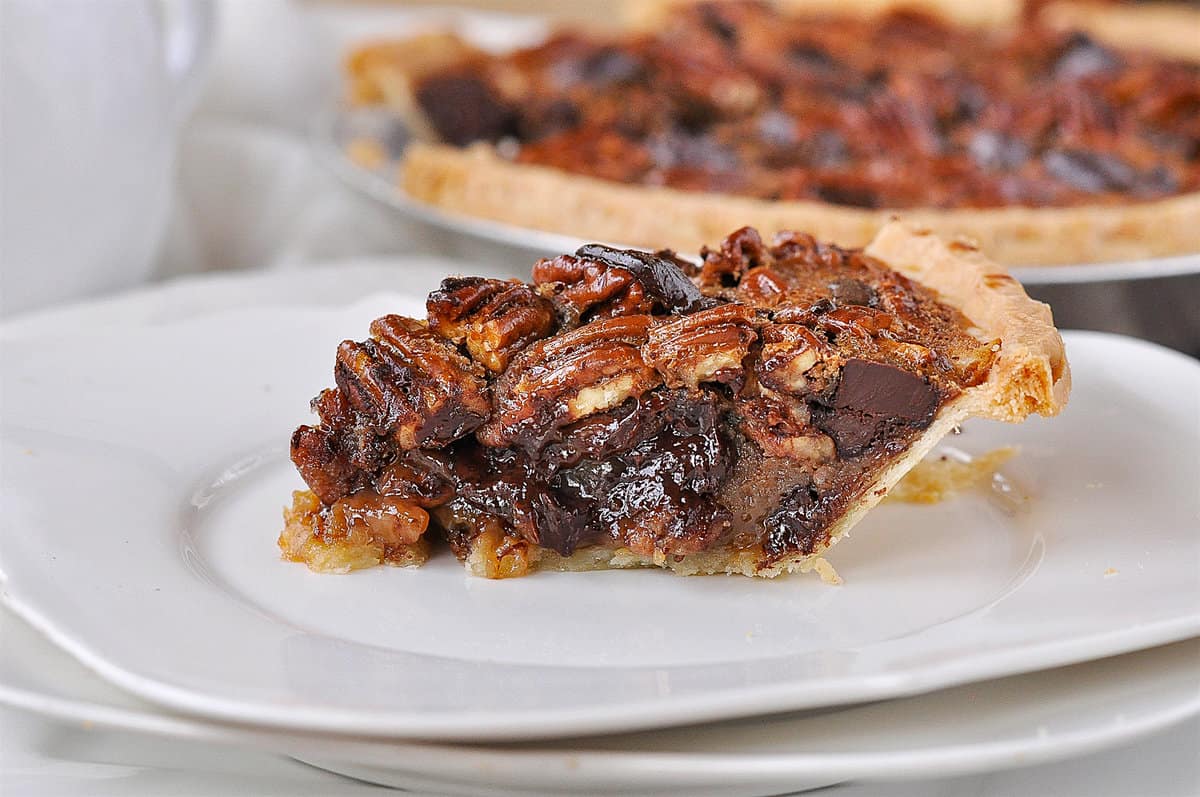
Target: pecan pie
[(1042, 145), (629, 409)]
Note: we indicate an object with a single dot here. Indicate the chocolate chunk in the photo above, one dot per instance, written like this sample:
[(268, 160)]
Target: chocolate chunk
[(869, 398), (777, 128), (826, 150), (992, 149), (680, 148), (795, 523), (852, 291), (662, 279), (812, 58), (610, 65), (463, 108), (849, 195), (1094, 172), (1157, 182), (540, 120), (724, 30), (1083, 56)]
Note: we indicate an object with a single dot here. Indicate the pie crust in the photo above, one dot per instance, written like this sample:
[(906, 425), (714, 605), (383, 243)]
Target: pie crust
[(477, 181), (1166, 27), (1007, 359)]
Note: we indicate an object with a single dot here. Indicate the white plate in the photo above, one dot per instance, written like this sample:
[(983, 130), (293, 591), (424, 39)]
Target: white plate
[(334, 130), (145, 468), (1018, 721)]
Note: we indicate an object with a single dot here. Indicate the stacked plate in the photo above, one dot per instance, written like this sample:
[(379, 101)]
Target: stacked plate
[(145, 464)]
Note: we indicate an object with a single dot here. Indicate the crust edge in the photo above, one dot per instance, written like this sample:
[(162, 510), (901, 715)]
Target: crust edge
[(477, 182)]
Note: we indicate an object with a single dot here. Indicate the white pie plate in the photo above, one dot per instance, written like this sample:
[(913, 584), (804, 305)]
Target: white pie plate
[(1014, 722), (144, 469)]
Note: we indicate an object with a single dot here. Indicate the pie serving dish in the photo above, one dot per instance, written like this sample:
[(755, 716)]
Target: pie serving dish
[(176, 470)]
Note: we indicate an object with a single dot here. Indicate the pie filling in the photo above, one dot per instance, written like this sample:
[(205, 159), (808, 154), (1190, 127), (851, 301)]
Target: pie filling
[(628, 408), (742, 98)]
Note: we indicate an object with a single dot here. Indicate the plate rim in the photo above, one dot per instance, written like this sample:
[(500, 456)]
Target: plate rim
[(938, 760), (481, 728)]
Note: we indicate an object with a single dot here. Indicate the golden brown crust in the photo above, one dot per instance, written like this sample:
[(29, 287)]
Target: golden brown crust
[(1167, 28), (477, 182), (649, 14), (1030, 373)]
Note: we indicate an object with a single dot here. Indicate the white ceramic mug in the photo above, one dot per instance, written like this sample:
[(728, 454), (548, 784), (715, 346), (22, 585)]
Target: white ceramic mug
[(91, 96)]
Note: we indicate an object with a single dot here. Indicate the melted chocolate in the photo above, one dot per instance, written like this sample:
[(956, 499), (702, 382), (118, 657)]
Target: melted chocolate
[(463, 108), (870, 398), (658, 273)]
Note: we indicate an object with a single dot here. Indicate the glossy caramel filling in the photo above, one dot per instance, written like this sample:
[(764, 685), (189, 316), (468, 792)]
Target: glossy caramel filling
[(896, 112), (629, 401)]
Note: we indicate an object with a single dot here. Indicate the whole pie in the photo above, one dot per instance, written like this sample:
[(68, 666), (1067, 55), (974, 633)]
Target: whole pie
[(1040, 144), (632, 409)]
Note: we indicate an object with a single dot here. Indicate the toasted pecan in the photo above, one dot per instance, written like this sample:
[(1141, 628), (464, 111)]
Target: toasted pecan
[(705, 346), (493, 318), (414, 385), (559, 380)]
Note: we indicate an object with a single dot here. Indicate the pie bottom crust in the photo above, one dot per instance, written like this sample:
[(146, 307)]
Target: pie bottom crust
[(477, 182), (1029, 375)]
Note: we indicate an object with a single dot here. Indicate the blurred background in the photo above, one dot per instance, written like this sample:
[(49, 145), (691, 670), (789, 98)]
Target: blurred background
[(180, 139)]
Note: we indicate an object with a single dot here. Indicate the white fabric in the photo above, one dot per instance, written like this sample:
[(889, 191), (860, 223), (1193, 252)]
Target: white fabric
[(250, 193)]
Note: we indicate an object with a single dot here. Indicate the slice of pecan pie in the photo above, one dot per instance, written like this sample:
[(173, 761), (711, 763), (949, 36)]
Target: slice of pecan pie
[(630, 409)]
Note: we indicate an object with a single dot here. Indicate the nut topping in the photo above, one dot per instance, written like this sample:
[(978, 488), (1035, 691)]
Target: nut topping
[(739, 252), (781, 428), (494, 318), (789, 360), (585, 290), (661, 275), (414, 385), (705, 346), (570, 376)]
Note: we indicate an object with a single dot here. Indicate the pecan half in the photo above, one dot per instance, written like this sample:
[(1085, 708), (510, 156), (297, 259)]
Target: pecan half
[(740, 251), (494, 318), (410, 477), (335, 456), (323, 463), (705, 346), (371, 517), (585, 290), (573, 375), (780, 426), (414, 385), (795, 360), (762, 286)]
